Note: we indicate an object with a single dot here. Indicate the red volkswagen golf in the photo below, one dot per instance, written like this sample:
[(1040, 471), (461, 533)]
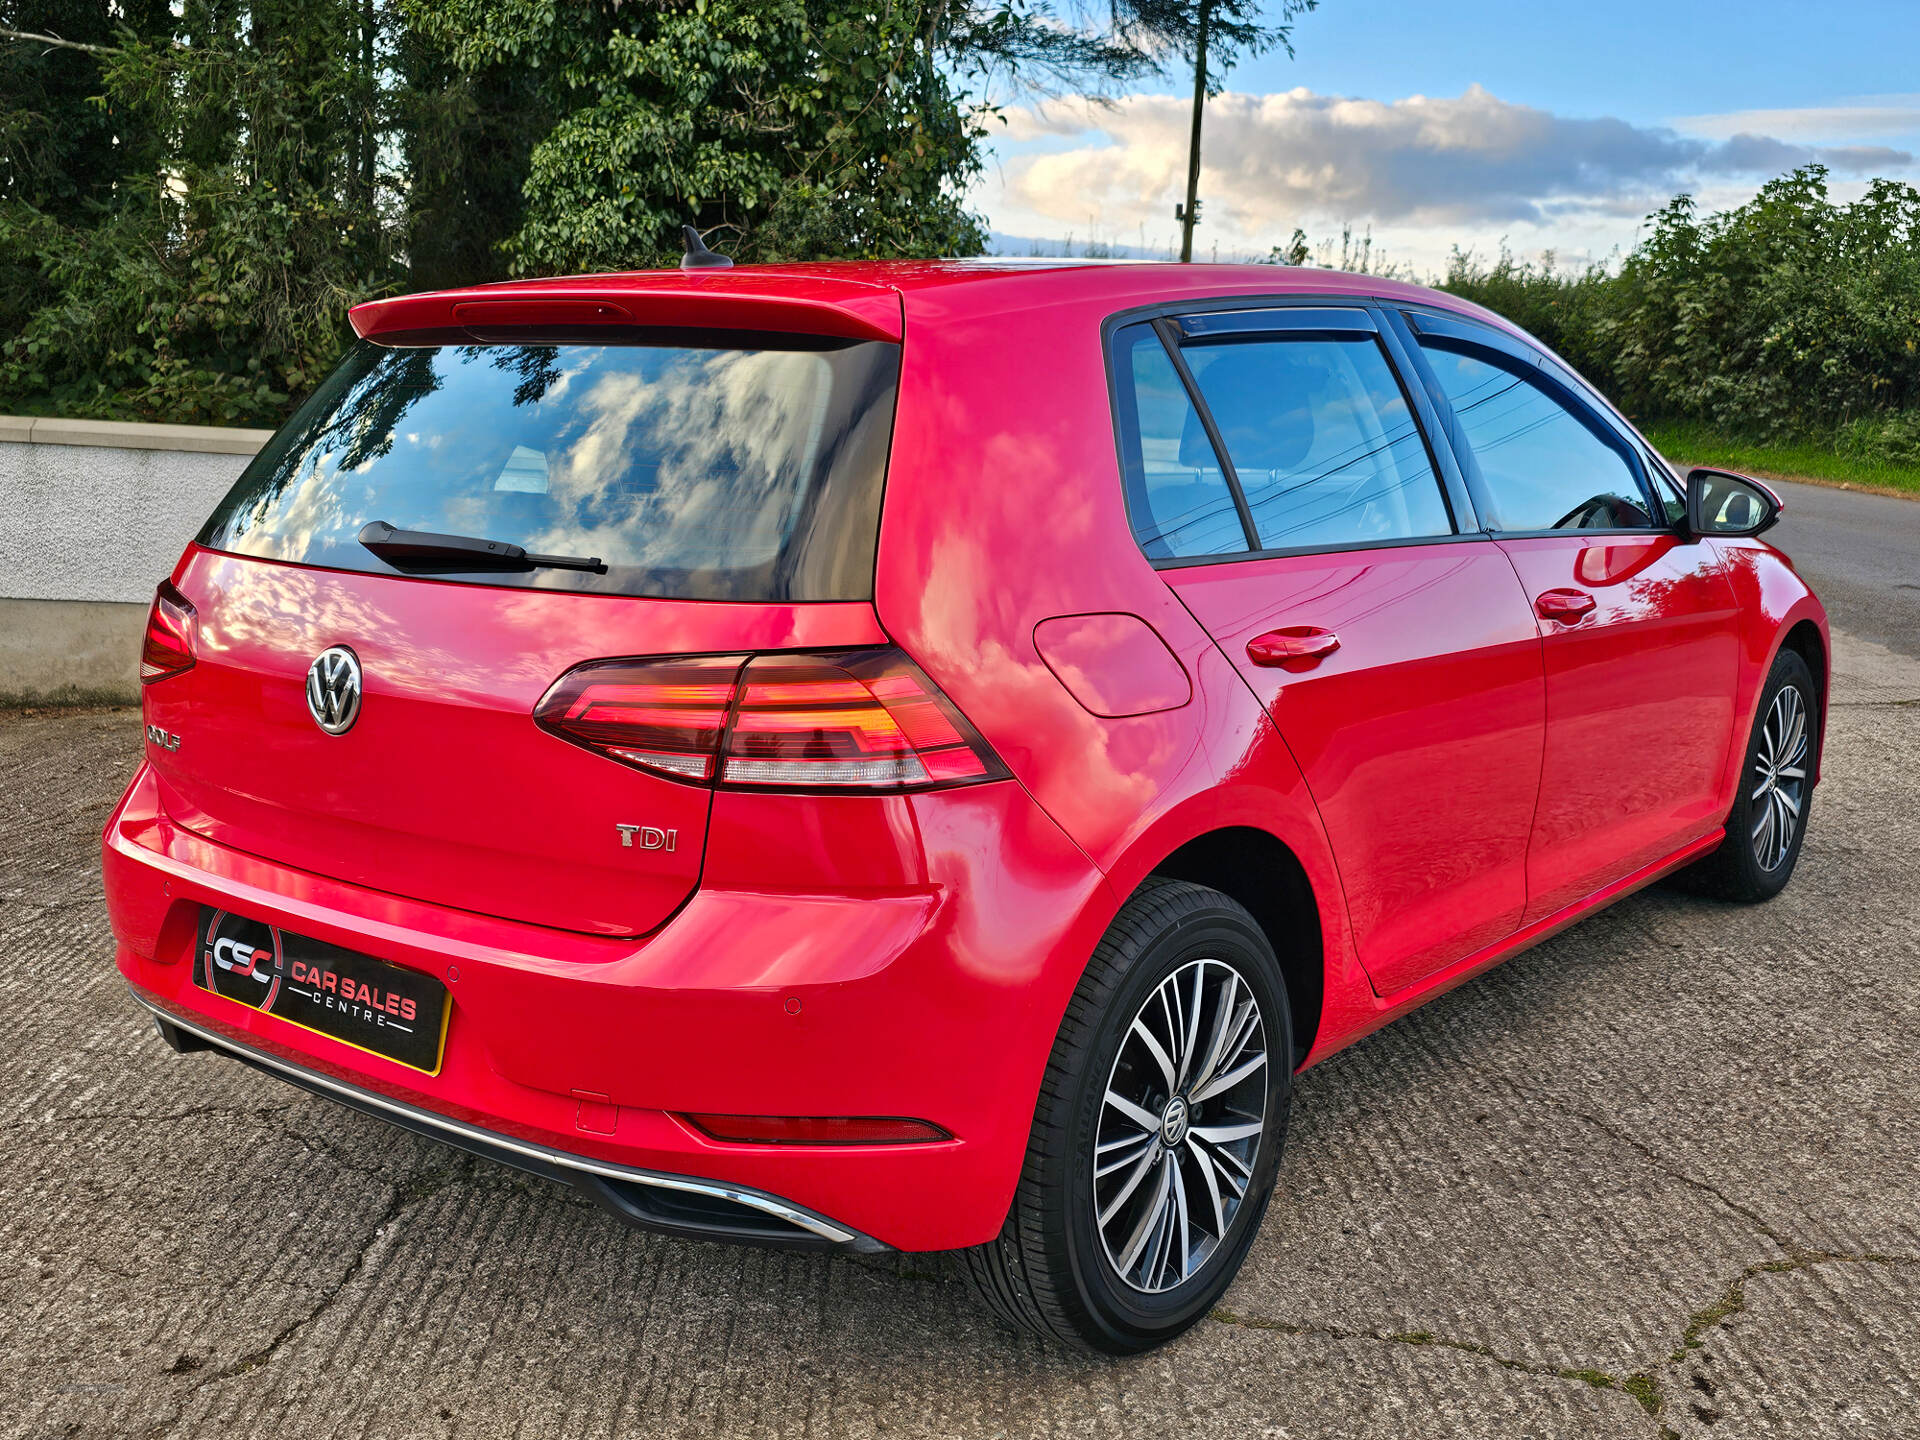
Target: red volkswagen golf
[(918, 756)]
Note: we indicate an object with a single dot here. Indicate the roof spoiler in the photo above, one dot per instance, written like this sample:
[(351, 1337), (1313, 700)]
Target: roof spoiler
[(698, 299)]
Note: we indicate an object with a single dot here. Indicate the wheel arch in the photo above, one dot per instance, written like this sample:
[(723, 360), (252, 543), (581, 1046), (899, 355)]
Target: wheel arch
[(1806, 640), (1260, 871)]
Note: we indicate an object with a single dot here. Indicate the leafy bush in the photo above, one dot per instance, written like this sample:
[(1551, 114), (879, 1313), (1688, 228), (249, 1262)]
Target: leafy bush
[(1789, 316)]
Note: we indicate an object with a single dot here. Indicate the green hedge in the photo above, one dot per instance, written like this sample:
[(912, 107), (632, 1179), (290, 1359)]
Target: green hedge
[(1789, 321)]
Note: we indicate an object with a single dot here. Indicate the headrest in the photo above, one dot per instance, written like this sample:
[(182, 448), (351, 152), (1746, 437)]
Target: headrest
[(1262, 397)]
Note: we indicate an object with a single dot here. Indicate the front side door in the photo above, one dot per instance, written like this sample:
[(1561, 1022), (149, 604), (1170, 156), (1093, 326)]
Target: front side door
[(1638, 624), (1297, 512)]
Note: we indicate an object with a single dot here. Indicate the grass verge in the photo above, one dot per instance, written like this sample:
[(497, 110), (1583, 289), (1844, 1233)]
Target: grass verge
[(1788, 460)]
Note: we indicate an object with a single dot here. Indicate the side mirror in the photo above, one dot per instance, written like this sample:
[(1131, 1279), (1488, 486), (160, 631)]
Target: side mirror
[(1722, 503)]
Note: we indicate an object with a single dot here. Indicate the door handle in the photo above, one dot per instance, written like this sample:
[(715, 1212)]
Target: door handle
[(1293, 647), (1566, 606)]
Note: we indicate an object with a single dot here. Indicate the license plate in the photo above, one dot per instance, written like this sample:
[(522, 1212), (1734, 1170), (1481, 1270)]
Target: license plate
[(388, 1010)]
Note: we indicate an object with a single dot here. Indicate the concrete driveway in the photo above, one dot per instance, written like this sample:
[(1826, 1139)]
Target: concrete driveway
[(1660, 1175)]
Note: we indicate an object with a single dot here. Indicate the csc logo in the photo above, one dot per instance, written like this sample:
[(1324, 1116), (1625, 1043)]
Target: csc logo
[(243, 960)]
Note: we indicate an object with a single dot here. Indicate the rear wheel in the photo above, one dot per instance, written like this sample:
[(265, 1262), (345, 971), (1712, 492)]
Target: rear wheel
[(1768, 823), (1157, 1136)]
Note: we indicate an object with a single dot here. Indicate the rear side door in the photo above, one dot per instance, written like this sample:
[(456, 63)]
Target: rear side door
[(1638, 624), (1279, 478)]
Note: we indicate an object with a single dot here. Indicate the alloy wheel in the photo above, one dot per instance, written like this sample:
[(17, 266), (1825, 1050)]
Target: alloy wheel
[(1779, 779), (1180, 1126)]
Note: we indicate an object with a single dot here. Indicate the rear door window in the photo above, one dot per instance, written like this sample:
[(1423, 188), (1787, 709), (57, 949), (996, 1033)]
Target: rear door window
[(1322, 440), (748, 471)]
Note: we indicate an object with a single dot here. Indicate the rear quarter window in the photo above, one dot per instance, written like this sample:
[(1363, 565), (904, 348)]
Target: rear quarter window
[(739, 471), (1177, 493)]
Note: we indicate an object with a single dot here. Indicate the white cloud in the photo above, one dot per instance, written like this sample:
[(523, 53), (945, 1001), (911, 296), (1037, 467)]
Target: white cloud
[(1464, 165), (1884, 117)]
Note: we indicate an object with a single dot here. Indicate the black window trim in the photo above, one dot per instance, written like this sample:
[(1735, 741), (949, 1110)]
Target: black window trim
[(1369, 320), (1418, 384), (1561, 384), (1168, 331)]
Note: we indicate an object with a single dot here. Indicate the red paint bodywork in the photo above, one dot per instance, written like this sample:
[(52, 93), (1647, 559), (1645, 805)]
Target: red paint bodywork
[(1449, 780)]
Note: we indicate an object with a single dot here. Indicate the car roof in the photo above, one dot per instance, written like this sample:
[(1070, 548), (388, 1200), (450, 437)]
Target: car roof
[(862, 299)]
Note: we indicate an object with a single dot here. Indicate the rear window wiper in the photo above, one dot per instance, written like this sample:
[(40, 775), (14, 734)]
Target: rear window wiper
[(462, 552)]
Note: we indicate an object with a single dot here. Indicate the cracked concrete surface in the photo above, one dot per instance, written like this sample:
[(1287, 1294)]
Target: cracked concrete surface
[(1659, 1177)]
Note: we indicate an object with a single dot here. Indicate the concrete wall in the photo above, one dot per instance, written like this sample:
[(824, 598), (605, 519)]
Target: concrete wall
[(93, 515)]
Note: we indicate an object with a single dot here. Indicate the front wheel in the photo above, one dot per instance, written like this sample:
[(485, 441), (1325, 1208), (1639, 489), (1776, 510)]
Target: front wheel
[(1157, 1136), (1771, 809)]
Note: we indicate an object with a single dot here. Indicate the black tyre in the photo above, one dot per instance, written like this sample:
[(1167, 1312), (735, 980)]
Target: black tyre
[(1157, 1136), (1775, 799)]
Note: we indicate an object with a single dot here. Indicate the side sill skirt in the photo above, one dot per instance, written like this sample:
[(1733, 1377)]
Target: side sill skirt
[(653, 1200), (1398, 1002)]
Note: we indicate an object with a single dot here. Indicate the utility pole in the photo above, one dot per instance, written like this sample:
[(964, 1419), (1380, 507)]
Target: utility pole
[(1189, 214)]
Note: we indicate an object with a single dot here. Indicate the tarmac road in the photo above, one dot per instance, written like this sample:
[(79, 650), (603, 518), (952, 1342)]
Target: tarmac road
[(1658, 1176), (1861, 551)]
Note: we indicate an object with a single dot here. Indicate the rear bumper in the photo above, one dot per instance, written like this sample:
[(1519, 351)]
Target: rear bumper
[(675, 1204), (576, 1055)]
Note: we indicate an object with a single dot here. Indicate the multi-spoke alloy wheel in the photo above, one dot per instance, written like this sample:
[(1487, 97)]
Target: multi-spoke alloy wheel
[(1779, 779), (1180, 1126)]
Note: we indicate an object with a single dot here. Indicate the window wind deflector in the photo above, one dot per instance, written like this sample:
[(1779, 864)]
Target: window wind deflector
[(422, 549), (1280, 320), (1443, 328)]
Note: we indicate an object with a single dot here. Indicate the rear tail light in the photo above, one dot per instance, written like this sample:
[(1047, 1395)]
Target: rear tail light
[(169, 644), (816, 1129), (665, 715), (862, 721)]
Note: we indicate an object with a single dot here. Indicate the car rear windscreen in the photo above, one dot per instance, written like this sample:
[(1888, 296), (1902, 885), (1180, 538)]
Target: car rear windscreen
[(738, 471)]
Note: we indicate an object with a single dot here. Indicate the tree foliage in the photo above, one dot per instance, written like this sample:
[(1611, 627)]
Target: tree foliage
[(1234, 30), (206, 275), (796, 128), (192, 194)]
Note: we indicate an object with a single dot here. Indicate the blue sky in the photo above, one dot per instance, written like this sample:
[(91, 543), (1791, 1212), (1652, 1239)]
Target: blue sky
[(1548, 126)]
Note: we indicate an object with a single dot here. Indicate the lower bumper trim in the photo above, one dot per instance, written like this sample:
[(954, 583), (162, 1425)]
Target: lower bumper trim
[(673, 1204)]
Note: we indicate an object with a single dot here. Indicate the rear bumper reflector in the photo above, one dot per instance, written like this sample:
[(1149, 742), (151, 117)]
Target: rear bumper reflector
[(817, 1129)]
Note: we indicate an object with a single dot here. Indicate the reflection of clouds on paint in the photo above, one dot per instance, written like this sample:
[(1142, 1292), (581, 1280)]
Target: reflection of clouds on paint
[(966, 605)]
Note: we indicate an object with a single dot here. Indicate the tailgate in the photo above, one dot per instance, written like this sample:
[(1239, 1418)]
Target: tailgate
[(443, 789)]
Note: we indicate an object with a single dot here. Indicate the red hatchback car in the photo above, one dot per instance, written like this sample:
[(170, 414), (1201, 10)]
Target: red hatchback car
[(918, 756)]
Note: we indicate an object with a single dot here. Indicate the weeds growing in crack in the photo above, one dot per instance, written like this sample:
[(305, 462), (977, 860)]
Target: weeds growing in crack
[(1734, 1299), (1641, 1387)]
